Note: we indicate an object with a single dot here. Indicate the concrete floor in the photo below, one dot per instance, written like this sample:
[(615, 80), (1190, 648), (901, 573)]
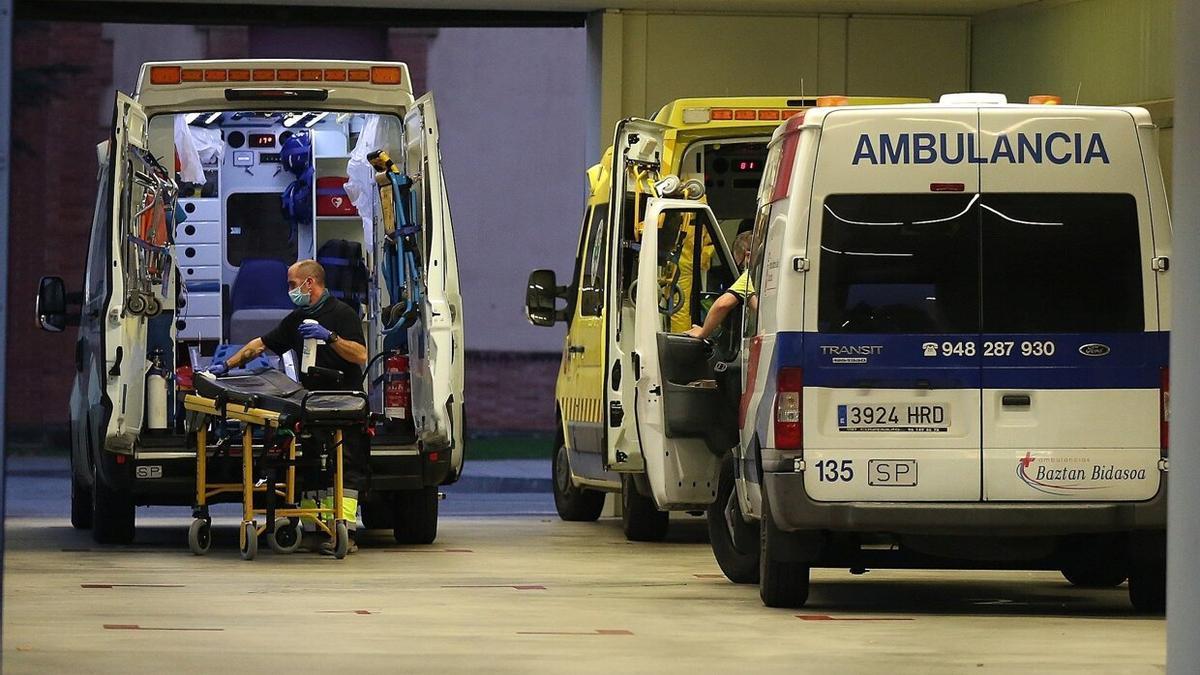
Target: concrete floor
[(528, 594)]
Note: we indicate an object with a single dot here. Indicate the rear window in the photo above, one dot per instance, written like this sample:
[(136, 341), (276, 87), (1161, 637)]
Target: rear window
[(1061, 263), (992, 263), (896, 263)]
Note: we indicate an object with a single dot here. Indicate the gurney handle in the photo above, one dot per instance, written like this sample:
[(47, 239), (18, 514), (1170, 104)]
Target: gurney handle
[(334, 392)]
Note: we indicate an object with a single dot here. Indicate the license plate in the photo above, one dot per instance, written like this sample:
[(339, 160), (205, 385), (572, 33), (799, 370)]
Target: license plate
[(892, 473), (919, 417)]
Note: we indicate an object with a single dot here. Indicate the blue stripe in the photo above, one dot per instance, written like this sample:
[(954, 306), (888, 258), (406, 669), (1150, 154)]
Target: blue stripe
[(1132, 361)]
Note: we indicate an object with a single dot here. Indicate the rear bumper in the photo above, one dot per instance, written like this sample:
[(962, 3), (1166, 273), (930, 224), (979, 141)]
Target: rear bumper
[(793, 510)]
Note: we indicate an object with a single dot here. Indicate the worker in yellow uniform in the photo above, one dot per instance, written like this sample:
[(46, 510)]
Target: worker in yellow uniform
[(741, 291)]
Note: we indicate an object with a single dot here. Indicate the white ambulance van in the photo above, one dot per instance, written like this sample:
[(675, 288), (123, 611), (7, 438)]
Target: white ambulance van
[(953, 354), (217, 176)]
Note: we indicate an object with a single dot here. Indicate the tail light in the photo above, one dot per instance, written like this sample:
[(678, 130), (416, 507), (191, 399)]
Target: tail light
[(1164, 410), (789, 414)]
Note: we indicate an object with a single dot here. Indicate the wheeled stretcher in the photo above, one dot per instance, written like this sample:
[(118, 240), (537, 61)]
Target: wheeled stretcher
[(281, 410)]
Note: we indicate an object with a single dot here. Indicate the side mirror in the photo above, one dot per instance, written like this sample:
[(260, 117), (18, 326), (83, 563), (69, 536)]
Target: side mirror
[(52, 304), (541, 295)]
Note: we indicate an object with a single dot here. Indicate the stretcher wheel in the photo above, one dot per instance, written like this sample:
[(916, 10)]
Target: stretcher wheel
[(200, 536), (286, 537), (341, 540), (153, 307), (249, 541), (136, 304)]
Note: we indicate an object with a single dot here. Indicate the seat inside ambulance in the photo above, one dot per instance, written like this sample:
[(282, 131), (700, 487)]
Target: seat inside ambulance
[(259, 191)]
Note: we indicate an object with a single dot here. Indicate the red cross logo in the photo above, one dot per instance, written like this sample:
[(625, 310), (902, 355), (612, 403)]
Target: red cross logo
[(1027, 459)]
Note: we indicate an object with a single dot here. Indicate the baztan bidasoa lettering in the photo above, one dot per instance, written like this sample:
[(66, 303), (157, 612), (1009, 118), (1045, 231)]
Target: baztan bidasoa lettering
[(1058, 147), (1098, 473)]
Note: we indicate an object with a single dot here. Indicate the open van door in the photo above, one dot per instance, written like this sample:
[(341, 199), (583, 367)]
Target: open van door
[(637, 157), (684, 422), (436, 342), (124, 326)]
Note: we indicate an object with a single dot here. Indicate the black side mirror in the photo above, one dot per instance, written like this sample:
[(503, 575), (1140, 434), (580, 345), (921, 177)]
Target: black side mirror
[(541, 295), (52, 304)]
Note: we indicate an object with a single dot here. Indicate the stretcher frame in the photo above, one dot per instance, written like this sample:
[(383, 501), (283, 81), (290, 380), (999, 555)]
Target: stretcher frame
[(199, 536)]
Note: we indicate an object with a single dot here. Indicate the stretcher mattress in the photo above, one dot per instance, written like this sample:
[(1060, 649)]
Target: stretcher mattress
[(274, 391)]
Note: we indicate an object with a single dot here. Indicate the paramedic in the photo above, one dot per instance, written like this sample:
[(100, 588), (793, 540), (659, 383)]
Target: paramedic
[(339, 327), (730, 299)]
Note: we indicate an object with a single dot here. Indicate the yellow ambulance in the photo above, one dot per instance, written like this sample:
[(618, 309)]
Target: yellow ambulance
[(708, 148)]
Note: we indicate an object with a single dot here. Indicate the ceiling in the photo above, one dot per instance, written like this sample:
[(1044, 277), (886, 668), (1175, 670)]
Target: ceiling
[(942, 7)]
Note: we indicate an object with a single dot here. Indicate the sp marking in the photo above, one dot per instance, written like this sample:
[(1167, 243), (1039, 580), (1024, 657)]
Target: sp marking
[(149, 471)]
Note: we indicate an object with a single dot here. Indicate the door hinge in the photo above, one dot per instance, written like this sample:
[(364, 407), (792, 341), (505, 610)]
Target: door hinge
[(616, 414), (1164, 464), (656, 390), (800, 264), (1160, 263)]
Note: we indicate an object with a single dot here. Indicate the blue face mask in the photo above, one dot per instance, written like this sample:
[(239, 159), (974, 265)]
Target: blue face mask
[(299, 296)]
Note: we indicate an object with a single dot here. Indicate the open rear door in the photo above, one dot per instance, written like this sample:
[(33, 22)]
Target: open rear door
[(436, 342), (124, 327), (684, 421), (636, 157)]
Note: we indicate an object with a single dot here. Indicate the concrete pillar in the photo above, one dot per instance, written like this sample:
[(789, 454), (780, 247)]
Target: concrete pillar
[(6, 59), (1183, 526)]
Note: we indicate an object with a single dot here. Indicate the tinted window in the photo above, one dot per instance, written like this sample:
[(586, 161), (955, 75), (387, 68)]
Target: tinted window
[(595, 258), (99, 256), (1066, 263), (897, 263)]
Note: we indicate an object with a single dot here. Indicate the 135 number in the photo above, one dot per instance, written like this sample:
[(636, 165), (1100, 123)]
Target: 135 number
[(834, 471)]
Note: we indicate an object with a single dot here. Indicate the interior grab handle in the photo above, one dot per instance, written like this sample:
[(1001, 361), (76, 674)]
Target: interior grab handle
[(1016, 400)]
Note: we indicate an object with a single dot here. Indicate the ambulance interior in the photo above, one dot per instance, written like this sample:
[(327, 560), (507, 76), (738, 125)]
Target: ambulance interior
[(259, 190)]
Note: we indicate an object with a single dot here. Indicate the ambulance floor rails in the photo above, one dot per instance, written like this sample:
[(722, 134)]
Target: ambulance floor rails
[(282, 411)]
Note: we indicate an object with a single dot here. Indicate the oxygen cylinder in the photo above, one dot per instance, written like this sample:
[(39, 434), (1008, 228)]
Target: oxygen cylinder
[(156, 394), (309, 358)]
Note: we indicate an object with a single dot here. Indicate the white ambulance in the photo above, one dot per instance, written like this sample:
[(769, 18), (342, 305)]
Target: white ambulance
[(953, 352), (218, 175)]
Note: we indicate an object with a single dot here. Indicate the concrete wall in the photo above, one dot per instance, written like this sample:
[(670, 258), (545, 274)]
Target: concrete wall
[(647, 59), (511, 103), (1109, 51)]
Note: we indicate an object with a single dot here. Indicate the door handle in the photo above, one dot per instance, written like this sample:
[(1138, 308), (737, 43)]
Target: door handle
[(1016, 400)]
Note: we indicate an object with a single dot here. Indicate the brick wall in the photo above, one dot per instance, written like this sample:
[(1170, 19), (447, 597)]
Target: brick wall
[(63, 72), (510, 391)]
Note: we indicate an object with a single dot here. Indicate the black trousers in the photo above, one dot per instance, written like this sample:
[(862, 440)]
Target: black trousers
[(356, 465)]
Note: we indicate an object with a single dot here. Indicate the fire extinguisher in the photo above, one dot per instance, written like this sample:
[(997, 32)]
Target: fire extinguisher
[(397, 390)]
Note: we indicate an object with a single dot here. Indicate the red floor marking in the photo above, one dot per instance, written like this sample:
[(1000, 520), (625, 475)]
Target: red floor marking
[(344, 611), (826, 617), (429, 550), (134, 626), (709, 576), (600, 631), (131, 585), (527, 587)]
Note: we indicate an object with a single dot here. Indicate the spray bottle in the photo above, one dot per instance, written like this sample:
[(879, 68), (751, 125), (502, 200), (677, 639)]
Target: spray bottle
[(309, 358)]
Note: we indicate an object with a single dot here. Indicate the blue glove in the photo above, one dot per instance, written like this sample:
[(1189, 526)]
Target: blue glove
[(218, 368), (316, 331)]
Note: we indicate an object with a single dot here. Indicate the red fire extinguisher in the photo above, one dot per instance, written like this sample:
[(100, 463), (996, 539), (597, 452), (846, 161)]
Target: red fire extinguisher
[(397, 389)]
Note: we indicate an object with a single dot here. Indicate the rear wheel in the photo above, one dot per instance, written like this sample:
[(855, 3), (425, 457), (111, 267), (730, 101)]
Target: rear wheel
[(734, 541), (640, 517), (81, 503), (112, 513), (415, 515), (782, 583), (377, 510), (572, 503), (1101, 574)]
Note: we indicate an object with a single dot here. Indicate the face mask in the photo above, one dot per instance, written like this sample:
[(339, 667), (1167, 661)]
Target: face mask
[(299, 296)]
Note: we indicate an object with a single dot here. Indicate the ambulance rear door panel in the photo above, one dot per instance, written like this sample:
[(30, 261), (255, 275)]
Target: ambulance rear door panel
[(436, 342), (1072, 351), (125, 333), (891, 375), (637, 147)]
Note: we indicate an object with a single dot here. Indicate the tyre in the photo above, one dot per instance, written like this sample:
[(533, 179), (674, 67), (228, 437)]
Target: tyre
[(377, 511), (248, 541), (200, 536), (640, 517), (1148, 586), (1103, 574), (341, 540), (574, 504), (415, 516), (81, 505), (781, 583), (734, 541), (286, 536), (112, 513)]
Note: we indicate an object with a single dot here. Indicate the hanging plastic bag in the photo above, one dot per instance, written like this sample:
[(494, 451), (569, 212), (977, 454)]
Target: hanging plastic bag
[(191, 168)]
